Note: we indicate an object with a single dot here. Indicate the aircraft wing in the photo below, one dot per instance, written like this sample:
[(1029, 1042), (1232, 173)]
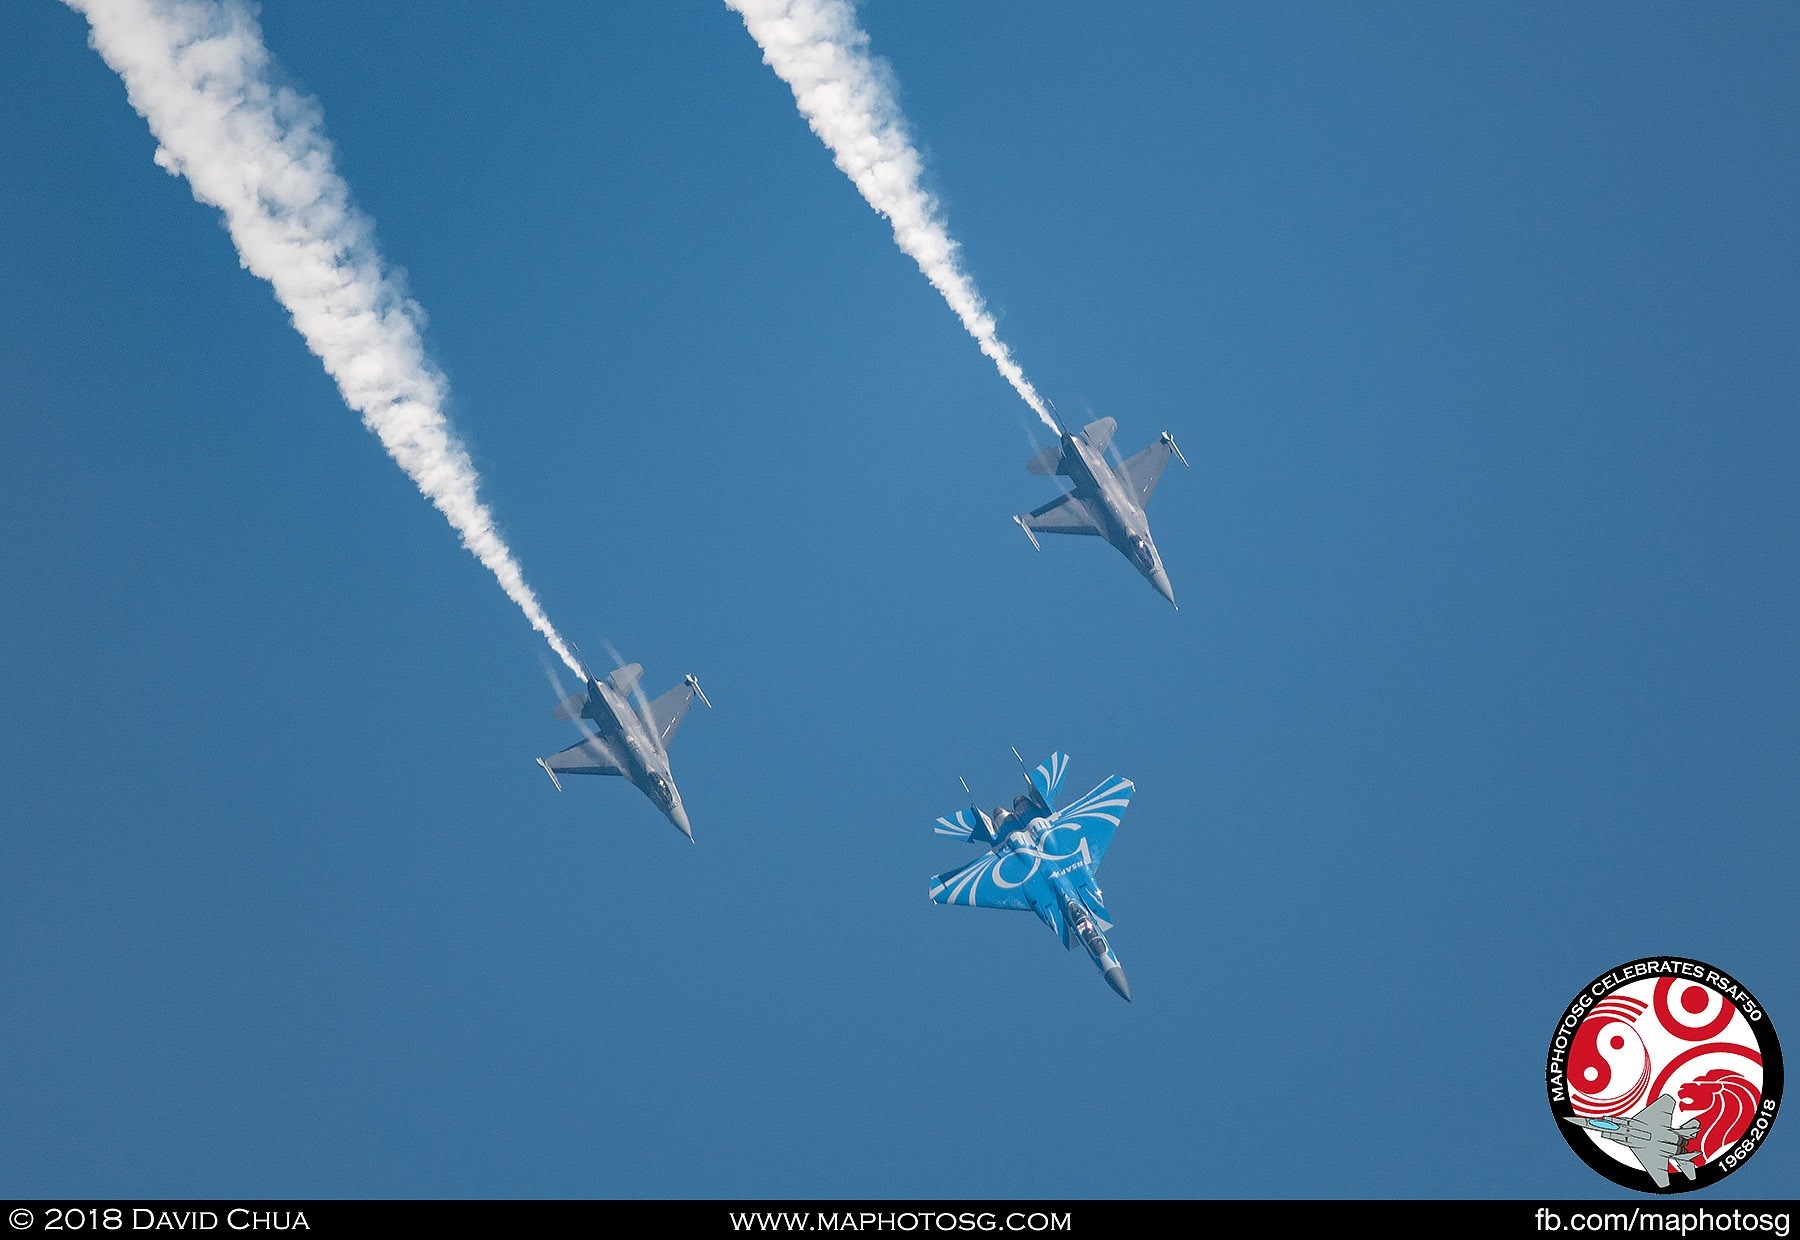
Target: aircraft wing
[(974, 885), (667, 711), (1087, 825), (1066, 515), (1655, 1164), (1145, 469), (590, 757)]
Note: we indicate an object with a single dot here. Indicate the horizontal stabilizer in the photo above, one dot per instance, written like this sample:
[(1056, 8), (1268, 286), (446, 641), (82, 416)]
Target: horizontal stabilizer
[(625, 680), (1068, 514), (1099, 433), (571, 706), (967, 824), (1047, 462)]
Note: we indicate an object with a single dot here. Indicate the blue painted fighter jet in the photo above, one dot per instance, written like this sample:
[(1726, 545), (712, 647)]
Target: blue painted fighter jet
[(1043, 859)]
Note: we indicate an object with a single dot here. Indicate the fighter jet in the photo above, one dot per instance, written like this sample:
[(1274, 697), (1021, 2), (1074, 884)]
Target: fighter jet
[(1043, 859), (627, 735), (1106, 501), (1649, 1137)]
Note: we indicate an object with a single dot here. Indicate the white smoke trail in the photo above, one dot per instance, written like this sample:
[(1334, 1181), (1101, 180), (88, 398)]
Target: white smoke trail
[(816, 47), (198, 72)]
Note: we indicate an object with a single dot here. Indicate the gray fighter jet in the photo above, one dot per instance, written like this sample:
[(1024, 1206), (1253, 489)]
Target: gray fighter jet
[(1106, 501), (1649, 1137), (627, 735)]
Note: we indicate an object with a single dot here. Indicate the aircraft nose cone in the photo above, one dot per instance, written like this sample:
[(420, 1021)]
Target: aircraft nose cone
[(678, 816), (1160, 580), (1115, 977)]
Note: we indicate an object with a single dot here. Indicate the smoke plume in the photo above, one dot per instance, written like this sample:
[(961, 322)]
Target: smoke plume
[(198, 72), (817, 48)]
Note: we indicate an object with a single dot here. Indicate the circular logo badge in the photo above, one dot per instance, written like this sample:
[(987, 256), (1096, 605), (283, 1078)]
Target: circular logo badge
[(1664, 1074)]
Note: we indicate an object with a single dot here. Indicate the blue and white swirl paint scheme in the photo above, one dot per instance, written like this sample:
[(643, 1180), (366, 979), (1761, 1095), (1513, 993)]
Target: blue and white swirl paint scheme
[(1042, 859)]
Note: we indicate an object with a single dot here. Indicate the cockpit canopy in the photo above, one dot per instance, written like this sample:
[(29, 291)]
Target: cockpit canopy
[(661, 789), (1141, 553)]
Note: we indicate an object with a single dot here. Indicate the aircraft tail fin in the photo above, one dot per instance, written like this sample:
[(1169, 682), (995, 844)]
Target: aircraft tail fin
[(968, 824), (1047, 778)]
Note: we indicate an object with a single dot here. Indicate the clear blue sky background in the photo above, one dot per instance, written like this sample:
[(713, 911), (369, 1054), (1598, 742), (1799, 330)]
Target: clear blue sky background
[(1478, 324)]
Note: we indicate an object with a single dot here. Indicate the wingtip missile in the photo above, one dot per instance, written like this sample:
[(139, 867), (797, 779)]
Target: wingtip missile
[(1020, 522), (693, 682), (1170, 440), (550, 773)]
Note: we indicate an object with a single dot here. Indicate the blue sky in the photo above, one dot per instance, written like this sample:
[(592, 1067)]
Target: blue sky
[(1478, 326)]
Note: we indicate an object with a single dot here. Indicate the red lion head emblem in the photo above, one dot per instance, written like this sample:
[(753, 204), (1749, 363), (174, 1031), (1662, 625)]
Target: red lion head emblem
[(1726, 1102)]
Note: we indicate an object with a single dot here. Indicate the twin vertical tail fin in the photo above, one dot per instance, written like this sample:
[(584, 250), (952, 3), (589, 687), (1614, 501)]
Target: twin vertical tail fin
[(968, 824), (1046, 778)]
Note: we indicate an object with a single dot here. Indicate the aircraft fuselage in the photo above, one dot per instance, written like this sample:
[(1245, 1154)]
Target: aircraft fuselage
[(1122, 518), (617, 723), (1065, 876)]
